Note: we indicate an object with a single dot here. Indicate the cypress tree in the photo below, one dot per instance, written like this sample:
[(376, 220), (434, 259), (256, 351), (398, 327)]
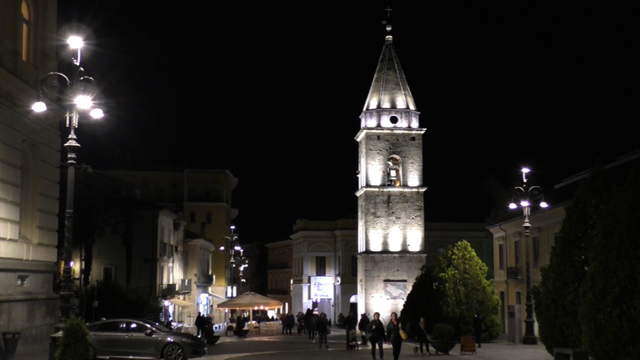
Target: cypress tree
[(610, 311), (557, 298)]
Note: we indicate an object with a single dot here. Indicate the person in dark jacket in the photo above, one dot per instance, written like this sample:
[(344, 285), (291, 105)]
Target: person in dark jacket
[(393, 335), (289, 321), (199, 323), (310, 325), (362, 326), (322, 325), (477, 329), (421, 335), (378, 337), (349, 323)]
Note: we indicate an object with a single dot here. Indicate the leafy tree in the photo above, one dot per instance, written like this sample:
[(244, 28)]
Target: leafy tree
[(463, 278), (74, 343), (610, 311), (557, 299), (453, 291)]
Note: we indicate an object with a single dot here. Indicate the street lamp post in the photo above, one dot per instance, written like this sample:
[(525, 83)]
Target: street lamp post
[(78, 93), (524, 197), (236, 260)]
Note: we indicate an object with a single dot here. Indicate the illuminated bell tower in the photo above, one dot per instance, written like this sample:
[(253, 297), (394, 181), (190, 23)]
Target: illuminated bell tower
[(391, 246)]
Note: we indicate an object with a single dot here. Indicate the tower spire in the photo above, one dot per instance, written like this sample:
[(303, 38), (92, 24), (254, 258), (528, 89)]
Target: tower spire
[(387, 23)]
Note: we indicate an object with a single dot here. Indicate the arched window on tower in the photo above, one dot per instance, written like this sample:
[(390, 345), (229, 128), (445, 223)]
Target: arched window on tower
[(394, 171), (25, 33)]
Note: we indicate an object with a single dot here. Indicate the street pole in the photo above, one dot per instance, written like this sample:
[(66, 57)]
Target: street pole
[(524, 196), (79, 93)]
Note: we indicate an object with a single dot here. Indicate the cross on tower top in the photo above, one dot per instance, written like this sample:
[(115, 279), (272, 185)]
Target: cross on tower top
[(388, 10)]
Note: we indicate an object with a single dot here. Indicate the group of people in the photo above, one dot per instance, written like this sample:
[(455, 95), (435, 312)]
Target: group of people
[(374, 331), (287, 321), (201, 322), (371, 331)]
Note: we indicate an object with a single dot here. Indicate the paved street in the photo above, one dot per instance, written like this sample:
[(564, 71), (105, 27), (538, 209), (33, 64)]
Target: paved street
[(298, 347), (282, 347)]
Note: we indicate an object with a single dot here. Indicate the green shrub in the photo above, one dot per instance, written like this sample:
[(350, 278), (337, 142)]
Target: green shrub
[(74, 343), (443, 332)]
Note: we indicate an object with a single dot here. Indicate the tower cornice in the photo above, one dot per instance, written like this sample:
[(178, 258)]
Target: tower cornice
[(365, 131), (391, 189)]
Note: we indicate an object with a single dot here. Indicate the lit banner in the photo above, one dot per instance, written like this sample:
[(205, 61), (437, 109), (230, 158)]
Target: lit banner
[(321, 287)]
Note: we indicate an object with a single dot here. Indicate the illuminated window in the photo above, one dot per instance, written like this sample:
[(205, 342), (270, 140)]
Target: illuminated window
[(394, 171), (25, 34)]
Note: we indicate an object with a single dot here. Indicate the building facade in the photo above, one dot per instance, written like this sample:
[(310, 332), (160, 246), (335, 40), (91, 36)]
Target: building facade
[(324, 267), (391, 244), (511, 249), (280, 272), (29, 175), (203, 200)]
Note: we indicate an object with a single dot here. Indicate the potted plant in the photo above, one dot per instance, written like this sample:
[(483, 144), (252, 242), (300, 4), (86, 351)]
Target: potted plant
[(443, 338)]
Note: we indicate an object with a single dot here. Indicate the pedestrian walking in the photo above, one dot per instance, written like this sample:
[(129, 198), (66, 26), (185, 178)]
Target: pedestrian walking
[(362, 326), (322, 326), (477, 329), (349, 323), (289, 322), (378, 336), (310, 325), (393, 335), (199, 323), (421, 334)]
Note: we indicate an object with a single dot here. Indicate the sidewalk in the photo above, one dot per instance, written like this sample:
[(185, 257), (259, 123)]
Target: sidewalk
[(283, 347)]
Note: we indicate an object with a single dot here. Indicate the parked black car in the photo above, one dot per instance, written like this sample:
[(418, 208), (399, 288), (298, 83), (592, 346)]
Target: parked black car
[(142, 339)]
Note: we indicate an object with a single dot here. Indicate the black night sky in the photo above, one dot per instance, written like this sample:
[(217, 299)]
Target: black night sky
[(273, 92)]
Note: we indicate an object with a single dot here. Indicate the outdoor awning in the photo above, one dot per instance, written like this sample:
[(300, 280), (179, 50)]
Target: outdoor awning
[(181, 302), (250, 300)]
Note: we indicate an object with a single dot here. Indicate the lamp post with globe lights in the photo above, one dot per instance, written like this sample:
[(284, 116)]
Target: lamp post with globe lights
[(78, 93), (524, 197), (236, 260)]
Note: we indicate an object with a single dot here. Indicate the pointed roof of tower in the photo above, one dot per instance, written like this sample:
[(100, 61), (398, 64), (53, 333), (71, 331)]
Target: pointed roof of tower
[(389, 89)]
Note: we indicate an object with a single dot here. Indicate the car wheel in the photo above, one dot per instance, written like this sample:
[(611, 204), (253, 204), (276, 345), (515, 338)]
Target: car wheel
[(174, 352)]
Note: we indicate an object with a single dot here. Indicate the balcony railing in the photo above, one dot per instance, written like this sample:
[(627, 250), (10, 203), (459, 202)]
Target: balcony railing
[(167, 291), (513, 273)]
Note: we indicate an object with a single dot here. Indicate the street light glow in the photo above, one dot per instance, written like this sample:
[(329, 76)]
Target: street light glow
[(75, 42), (39, 106), (524, 203), (525, 170), (83, 102), (544, 204), (96, 113), (513, 206)]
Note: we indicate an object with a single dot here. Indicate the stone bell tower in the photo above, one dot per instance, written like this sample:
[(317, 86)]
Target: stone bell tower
[(391, 244)]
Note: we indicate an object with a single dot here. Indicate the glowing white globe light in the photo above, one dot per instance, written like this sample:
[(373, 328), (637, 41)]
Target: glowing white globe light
[(39, 106), (83, 102), (75, 42), (96, 113)]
